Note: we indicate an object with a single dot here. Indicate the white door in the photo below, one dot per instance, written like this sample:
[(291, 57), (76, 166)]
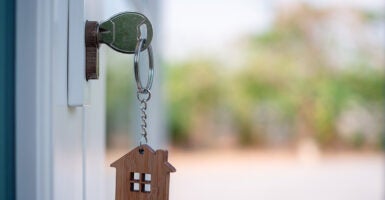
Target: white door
[(60, 148)]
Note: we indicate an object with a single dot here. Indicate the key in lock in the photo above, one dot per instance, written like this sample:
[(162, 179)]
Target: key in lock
[(121, 32)]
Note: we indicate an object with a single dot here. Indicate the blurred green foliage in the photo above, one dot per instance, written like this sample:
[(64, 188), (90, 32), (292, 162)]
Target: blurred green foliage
[(118, 98), (194, 88), (288, 83), (286, 70)]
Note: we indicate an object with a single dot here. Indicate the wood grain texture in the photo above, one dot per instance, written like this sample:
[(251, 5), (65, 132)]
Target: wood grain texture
[(148, 162)]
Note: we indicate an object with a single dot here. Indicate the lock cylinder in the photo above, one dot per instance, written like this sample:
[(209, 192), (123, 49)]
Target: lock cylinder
[(92, 50), (121, 32)]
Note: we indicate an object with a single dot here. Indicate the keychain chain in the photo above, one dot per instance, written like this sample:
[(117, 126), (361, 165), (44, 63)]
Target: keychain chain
[(143, 97), (143, 92)]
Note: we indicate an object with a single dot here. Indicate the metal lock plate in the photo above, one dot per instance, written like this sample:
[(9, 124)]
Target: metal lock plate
[(121, 32)]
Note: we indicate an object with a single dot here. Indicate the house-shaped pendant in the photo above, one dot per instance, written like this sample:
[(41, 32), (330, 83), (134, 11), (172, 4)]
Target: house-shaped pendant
[(143, 174)]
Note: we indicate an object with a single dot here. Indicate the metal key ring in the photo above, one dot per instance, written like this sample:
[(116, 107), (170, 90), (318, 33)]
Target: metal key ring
[(150, 78)]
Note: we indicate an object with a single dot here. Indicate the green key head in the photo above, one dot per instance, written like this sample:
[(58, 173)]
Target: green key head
[(123, 31)]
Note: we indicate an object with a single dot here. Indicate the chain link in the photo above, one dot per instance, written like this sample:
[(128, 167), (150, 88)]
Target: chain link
[(143, 93), (143, 97)]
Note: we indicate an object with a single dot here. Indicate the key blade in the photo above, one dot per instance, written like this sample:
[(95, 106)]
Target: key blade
[(106, 32)]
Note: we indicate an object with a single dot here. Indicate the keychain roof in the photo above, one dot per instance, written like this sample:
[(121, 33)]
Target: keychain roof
[(143, 174)]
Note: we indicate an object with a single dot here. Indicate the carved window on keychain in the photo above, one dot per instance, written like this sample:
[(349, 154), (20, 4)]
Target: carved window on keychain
[(140, 182)]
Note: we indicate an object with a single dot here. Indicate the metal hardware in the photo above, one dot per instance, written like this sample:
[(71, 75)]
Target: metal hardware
[(143, 93), (92, 50), (143, 116), (121, 32), (141, 43)]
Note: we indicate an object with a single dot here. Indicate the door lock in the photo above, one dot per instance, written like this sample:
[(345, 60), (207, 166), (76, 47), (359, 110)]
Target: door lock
[(121, 32)]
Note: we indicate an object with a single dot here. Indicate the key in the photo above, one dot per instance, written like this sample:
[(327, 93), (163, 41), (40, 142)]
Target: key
[(122, 32)]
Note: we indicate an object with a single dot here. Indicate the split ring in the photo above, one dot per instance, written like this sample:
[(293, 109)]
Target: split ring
[(138, 49)]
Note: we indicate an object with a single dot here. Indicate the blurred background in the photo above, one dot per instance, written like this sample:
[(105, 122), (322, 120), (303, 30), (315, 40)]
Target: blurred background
[(262, 99)]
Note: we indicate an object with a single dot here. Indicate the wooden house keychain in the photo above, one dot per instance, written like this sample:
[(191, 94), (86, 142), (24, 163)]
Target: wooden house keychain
[(143, 173)]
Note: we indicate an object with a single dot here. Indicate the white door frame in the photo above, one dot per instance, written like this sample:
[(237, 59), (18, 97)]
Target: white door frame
[(59, 150)]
